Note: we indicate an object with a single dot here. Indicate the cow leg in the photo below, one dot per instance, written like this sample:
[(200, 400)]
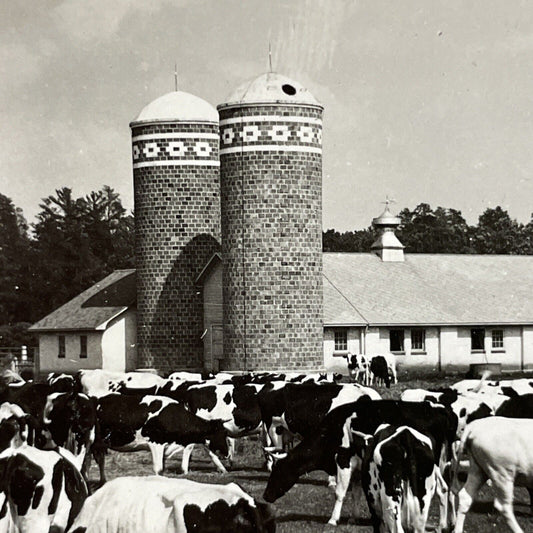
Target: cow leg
[(185, 458), (231, 449), (99, 457), (158, 457), (343, 482), (218, 463), (475, 480), (503, 502)]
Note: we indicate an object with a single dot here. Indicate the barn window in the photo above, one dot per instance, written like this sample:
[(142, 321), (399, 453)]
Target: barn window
[(497, 339), (341, 340), (477, 336), (396, 337), (61, 351), (83, 346), (418, 340)]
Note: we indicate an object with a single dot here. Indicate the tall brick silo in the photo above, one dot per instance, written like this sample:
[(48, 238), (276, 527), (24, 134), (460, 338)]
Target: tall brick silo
[(177, 225), (271, 204)]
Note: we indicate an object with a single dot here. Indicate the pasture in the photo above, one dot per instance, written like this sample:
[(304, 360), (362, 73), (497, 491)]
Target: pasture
[(307, 506)]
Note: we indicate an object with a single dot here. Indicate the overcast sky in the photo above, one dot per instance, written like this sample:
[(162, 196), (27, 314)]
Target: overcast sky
[(425, 101)]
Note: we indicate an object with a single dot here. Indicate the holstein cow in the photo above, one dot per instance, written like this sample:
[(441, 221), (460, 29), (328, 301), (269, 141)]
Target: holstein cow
[(155, 423), (361, 365), (43, 489), (70, 420), (164, 505), (499, 449), (235, 406), (330, 447), (300, 408), (101, 382), (399, 477)]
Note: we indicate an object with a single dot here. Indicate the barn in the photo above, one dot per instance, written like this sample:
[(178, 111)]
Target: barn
[(230, 273)]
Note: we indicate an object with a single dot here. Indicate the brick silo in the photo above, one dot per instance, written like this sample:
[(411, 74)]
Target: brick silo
[(177, 225), (271, 205)]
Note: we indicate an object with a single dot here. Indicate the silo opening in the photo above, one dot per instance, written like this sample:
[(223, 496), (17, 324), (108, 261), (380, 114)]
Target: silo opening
[(288, 89)]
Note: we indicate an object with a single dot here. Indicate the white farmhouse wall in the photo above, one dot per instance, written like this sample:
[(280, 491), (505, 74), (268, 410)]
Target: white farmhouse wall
[(117, 352), (334, 361), (446, 348), (48, 352), (130, 322), (527, 347)]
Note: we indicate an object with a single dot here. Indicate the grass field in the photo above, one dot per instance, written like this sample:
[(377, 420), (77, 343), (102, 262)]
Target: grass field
[(307, 506)]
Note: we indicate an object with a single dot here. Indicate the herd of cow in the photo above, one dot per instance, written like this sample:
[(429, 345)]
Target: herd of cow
[(399, 452)]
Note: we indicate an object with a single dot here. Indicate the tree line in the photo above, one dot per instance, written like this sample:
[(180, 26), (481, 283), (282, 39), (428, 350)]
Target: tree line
[(443, 230), (75, 242)]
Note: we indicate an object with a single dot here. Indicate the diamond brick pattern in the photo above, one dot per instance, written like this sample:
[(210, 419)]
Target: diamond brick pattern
[(177, 230), (271, 204)]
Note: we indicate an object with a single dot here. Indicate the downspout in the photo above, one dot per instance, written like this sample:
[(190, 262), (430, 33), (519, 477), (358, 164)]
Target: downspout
[(522, 349), (439, 360)]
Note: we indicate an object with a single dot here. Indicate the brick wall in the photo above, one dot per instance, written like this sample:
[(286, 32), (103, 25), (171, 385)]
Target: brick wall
[(177, 229), (271, 197)]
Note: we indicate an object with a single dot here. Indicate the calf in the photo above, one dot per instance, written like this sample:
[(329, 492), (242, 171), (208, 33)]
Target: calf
[(155, 423), (379, 370), (499, 449), (399, 477), (43, 489), (164, 505)]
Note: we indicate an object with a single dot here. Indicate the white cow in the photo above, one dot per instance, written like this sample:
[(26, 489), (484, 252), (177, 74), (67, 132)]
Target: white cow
[(499, 449), (158, 504), (101, 382)]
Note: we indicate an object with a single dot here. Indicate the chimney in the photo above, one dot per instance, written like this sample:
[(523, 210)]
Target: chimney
[(387, 246)]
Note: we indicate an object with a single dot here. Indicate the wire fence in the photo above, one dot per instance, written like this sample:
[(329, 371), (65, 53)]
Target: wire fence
[(19, 359)]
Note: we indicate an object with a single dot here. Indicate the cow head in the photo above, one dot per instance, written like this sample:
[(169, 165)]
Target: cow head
[(218, 442)]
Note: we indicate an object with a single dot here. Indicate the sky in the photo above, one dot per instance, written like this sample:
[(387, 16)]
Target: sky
[(425, 101)]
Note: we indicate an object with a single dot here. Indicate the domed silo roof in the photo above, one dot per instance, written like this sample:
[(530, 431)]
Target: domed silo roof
[(178, 106), (271, 88)]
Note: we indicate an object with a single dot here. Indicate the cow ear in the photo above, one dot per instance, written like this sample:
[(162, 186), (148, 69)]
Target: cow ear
[(275, 453)]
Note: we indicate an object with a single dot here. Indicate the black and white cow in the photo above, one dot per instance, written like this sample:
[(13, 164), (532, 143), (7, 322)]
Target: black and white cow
[(399, 478), (60, 382), (155, 423), (168, 505), (99, 382), (499, 449), (330, 448), (360, 367), (42, 490), (70, 420), (300, 408)]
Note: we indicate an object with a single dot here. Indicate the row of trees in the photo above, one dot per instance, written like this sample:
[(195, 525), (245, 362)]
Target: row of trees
[(77, 241), (444, 230), (74, 243)]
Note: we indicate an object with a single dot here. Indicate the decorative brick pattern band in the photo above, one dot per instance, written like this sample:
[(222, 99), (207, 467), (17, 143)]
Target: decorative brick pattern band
[(271, 202), (177, 230)]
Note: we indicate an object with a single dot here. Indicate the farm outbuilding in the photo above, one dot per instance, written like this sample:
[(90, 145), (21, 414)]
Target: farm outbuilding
[(230, 274)]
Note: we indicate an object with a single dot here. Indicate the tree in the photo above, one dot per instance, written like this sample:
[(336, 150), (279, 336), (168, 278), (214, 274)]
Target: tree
[(497, 233), (14, 249), (442, 230)]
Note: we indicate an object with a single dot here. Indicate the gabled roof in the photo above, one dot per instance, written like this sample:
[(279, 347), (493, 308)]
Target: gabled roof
[(94, 307), (428, 289)]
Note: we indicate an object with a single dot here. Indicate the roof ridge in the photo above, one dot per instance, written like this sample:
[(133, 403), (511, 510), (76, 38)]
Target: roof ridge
[(345, 297)]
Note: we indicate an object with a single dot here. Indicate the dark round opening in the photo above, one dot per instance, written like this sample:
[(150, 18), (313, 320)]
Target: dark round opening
[(288, 89)]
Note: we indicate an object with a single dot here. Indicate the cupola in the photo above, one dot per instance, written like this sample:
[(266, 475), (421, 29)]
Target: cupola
[(387, 246)]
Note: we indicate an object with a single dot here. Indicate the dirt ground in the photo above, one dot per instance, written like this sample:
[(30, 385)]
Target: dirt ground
[(307, 506)]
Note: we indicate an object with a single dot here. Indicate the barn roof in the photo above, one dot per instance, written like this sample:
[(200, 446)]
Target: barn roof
[(428, 289), (94, 307)]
